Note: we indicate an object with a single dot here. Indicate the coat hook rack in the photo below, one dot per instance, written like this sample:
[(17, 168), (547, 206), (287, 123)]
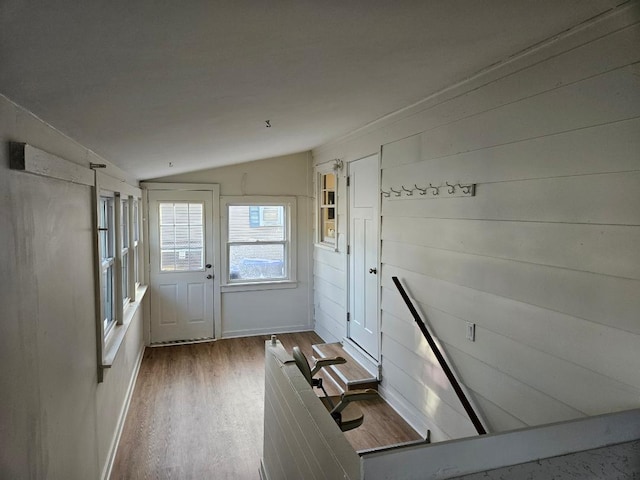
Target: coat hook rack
[(409, 192), (451, 188), (396, 192), (423, 191), (466, 189)]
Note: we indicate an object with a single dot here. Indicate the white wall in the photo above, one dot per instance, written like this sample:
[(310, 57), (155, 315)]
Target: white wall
[(544, 259), (301, 439), (56, 421), (256, 312)]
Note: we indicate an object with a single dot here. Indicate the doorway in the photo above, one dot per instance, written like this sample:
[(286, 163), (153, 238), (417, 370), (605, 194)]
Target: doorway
[(182, 264), (364, 241)]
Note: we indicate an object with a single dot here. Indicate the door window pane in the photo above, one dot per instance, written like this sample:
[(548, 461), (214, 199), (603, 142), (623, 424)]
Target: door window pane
[(181, 237)]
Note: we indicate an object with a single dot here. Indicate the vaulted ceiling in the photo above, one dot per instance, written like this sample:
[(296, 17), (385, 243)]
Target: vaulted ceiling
[(147, 82)]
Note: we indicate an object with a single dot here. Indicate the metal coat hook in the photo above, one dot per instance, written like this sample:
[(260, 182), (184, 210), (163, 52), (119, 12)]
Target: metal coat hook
[(409, 192), (466, 189), (385, 194), (451, 188), (423, 191), (397, 192), (436, 189)]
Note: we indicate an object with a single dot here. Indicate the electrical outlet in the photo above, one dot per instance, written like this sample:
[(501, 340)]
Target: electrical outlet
[(471, 332)]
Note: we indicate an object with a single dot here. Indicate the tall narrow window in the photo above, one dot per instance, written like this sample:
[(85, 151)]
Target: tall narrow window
[(327, 208), (136, 242), (124, 251), (107, 261)]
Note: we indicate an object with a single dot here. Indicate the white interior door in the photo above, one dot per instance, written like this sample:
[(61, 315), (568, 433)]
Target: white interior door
[(181, 253), (364, 240)]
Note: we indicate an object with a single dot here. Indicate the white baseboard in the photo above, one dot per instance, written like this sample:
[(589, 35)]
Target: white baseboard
[(409, 413), (266, 331), (367, 362), (325, 334), (106, 472)]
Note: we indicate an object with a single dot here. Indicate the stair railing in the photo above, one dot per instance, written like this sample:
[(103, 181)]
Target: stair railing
[(473, 416)]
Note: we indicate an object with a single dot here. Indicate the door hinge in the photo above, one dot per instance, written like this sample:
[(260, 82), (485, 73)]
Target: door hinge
[(348, 249), (348, 181), (348, 317)]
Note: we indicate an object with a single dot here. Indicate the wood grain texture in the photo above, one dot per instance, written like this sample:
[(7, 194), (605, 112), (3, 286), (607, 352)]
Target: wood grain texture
[(197, 412)]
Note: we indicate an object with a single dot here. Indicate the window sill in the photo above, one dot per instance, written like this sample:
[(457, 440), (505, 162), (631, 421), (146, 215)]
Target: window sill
[(326, 246), (116, 336), (249, 286)]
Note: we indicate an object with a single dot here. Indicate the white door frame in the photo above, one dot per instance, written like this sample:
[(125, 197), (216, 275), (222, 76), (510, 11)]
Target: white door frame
[(215, 189), (371, 364)]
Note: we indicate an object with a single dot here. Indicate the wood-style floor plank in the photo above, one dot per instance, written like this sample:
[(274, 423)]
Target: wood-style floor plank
[(197, 412)]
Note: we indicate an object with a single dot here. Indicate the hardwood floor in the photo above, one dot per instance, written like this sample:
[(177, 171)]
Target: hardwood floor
[(197, 412)]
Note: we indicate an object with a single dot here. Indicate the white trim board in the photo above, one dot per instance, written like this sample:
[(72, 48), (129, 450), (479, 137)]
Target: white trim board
[(111, 456), (477, 454)]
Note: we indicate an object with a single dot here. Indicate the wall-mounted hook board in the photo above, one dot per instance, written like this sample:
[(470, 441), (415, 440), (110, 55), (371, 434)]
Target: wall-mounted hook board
[(429, 191)]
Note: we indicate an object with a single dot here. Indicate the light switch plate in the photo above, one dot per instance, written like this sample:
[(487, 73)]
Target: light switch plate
[(471, 332)]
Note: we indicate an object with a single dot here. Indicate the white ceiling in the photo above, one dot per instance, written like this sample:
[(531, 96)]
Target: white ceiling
[(144, 83)]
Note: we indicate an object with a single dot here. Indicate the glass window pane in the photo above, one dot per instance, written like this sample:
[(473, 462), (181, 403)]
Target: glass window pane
[(167, 260), (136, 224), (166, 214), (125, 276), (124, 223), (257, 262), (181, 213), (256, 223), (181, 236), (108, 293)]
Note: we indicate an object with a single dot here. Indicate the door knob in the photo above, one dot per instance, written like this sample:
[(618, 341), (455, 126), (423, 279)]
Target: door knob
[(208, 265), (373, 270), (209, 277)]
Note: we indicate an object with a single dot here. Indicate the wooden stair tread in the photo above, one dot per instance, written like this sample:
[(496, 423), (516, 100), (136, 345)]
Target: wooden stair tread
[(350, 375)]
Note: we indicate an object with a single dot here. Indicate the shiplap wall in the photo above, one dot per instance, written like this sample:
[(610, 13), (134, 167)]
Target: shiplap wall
[(330, 272), (544, 259), (301, 440)]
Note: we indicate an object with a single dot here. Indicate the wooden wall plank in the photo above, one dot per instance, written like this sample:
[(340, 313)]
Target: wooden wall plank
[(452, 423), (529, 405), (427, 371), (604, 148), (608, 199), (415, 119), (583, 105), (499, 419), (607, 249), (587, 391), (479, 453), (330, 290), (563, 70), (309, 444), (331, 308), (329, 257), (573, 339), (335, 326), (329, 274), (606, 300)]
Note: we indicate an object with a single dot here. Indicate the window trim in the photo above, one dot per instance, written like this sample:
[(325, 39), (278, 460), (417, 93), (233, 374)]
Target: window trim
[(107, 260), (109, 339), (321, 171), (290, 242)]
